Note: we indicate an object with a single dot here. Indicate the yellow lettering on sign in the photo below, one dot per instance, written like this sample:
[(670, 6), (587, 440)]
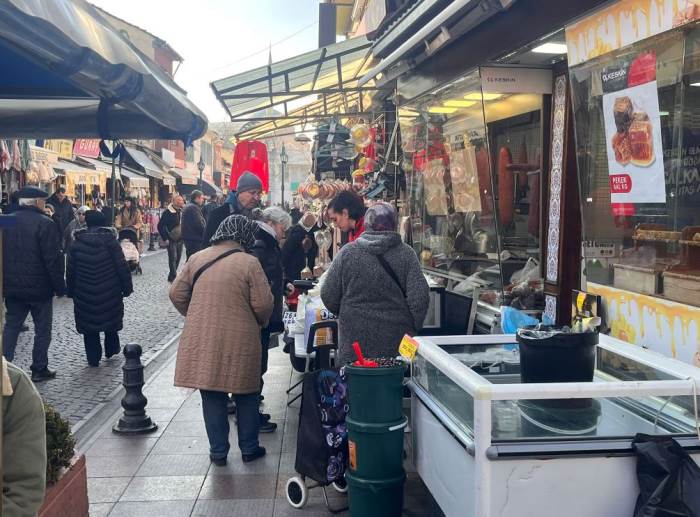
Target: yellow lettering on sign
[(408, 347)]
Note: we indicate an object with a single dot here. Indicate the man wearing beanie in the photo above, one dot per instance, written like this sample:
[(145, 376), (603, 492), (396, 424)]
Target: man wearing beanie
[(32, 275), (241, 202)]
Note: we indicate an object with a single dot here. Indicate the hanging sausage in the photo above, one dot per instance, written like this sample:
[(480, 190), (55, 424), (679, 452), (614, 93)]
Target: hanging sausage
[(506, 188)]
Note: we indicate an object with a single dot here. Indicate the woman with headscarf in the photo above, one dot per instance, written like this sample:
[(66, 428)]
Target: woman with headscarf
[(226, 300), (376, 288)]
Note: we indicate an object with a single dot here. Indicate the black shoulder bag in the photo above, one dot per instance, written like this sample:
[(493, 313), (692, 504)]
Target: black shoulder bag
[(211, 263)]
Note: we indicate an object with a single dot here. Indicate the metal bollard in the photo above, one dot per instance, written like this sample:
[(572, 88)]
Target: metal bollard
[(152, 242), (134, 420)]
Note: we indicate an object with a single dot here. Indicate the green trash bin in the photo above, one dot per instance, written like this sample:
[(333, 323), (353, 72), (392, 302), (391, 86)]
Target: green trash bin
[(375, 394), (375, 498), (376, 450)]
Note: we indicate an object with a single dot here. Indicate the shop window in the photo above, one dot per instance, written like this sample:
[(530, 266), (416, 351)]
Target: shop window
[(474, 187), (637, 118)]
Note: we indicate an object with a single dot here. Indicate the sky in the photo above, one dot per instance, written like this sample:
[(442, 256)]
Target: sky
[(217, 38)]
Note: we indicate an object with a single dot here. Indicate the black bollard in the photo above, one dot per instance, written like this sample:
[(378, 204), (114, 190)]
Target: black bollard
[(152, 242), (134, 420)]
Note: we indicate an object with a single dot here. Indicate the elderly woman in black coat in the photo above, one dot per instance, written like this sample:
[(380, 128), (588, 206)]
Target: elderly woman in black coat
[(98, 279)]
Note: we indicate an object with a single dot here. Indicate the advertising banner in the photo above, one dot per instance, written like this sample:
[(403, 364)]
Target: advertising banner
[(633, 132), (624, 23), (89, 148)]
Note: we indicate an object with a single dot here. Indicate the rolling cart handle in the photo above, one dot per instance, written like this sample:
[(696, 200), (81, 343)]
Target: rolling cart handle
[(322, 352)]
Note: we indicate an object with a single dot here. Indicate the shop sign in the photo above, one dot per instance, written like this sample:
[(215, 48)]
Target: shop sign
[(41, 154), (633, 132), (624, 23), (89, 148), (516, 80), (64, 148)]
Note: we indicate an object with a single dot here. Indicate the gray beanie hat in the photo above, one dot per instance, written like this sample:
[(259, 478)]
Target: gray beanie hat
[(247, 182)]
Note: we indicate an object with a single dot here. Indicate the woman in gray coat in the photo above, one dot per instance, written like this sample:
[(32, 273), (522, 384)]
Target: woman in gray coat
[(376, 288)]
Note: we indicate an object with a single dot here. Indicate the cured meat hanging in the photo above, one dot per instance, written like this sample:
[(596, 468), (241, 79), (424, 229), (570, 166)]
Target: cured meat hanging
[(506, 188)]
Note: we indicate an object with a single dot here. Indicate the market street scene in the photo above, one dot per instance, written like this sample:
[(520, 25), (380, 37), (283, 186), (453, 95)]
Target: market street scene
[(366, 258)]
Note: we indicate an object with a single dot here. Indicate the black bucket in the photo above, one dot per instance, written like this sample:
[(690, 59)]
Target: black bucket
[(563, 357)]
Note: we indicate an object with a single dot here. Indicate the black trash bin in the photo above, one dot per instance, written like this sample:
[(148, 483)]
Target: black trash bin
[(559, 356)]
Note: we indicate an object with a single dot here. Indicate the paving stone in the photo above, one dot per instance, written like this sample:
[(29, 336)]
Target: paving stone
[(234, 508), (106, 490), (152, 509), (123, 446), (100, 509), (182, 445), (163, 488), (239, 487), (111, 466), (175, 465)]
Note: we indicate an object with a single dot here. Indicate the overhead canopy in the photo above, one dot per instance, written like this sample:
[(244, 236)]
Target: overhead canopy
[(143, 161), (305, 88), (135, 179), (105, 168), (67, 73)]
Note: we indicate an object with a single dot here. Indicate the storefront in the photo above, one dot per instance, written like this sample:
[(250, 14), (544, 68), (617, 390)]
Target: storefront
[(488, 180), (81, 181), (636, 107)]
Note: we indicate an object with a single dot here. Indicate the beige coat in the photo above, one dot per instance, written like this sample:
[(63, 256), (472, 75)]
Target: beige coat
[(220, 344)]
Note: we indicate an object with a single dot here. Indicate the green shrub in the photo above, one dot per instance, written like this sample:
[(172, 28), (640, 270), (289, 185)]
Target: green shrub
[(60, 444)]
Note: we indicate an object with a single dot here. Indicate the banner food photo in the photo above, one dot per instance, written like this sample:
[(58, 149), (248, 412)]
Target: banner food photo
[(633, 133)]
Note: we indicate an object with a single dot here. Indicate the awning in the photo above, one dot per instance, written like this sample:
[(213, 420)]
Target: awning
[(185, 176), (209, 189), (309, 87), (69, 73), (135, 180), (142, 160), (77, 174), (105, 168)]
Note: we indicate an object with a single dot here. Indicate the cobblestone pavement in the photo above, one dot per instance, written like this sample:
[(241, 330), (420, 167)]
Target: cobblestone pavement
[(150, 320)]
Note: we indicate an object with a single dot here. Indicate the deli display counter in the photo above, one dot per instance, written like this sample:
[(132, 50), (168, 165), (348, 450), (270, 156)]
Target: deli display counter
[(486, 444)]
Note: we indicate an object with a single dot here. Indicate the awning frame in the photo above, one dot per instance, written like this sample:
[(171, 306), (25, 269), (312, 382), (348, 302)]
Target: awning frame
[(340, 94)]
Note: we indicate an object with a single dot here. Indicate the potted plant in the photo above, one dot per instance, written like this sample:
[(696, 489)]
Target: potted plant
[(66, 475)]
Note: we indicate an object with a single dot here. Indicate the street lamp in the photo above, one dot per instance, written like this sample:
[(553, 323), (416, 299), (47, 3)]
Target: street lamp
[(200, 166), (284, 159)]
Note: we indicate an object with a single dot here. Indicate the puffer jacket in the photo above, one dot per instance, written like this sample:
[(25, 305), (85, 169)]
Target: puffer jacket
[(98, 280), (32, 258), (267, 251), (192, 223)]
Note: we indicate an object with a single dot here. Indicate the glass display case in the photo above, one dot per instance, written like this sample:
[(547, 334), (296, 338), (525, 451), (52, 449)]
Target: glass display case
[(469, 407), (640, 181), (474, 189)]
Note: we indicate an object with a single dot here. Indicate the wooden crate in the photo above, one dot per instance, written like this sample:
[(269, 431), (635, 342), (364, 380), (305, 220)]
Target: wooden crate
[(643, 280), (682, 287)]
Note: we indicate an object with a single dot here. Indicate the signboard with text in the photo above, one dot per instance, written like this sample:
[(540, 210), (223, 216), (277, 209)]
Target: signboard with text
[(88, 148), (633, 132)]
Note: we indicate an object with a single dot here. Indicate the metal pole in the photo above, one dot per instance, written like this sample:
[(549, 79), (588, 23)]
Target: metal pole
[(114, 184), (283, 166)]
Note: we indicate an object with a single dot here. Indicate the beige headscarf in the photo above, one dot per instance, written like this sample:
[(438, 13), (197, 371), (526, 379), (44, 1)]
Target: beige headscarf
[(6, 383)]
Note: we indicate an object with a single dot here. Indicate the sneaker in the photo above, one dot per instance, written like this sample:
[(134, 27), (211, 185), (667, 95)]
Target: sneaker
[(219, 462), (262, 398), (111, 354), (267, 427), (43, 375), (259, 453), (264, 417)]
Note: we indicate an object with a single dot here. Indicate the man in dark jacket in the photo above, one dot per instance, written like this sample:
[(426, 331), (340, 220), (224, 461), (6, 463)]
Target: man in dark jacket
[(241, 202), (273, 227), (62, 208), (98, 279), (170, 230), (193, 223), (300, 249), (32, 275), (212, 204)]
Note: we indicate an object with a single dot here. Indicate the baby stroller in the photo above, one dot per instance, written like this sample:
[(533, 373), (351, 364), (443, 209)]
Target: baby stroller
[(322, 441), (129, 241)]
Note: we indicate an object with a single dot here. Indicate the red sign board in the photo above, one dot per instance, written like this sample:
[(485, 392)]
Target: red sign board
[(87, 148)]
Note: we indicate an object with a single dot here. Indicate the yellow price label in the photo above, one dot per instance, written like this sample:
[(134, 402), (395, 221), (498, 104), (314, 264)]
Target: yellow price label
[(408, 347)]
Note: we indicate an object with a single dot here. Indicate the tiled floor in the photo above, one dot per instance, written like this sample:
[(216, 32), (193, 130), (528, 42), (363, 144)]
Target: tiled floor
[(168, 473)]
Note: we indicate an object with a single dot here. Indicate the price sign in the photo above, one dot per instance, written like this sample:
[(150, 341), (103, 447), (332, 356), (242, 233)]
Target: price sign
[(408, 347)]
